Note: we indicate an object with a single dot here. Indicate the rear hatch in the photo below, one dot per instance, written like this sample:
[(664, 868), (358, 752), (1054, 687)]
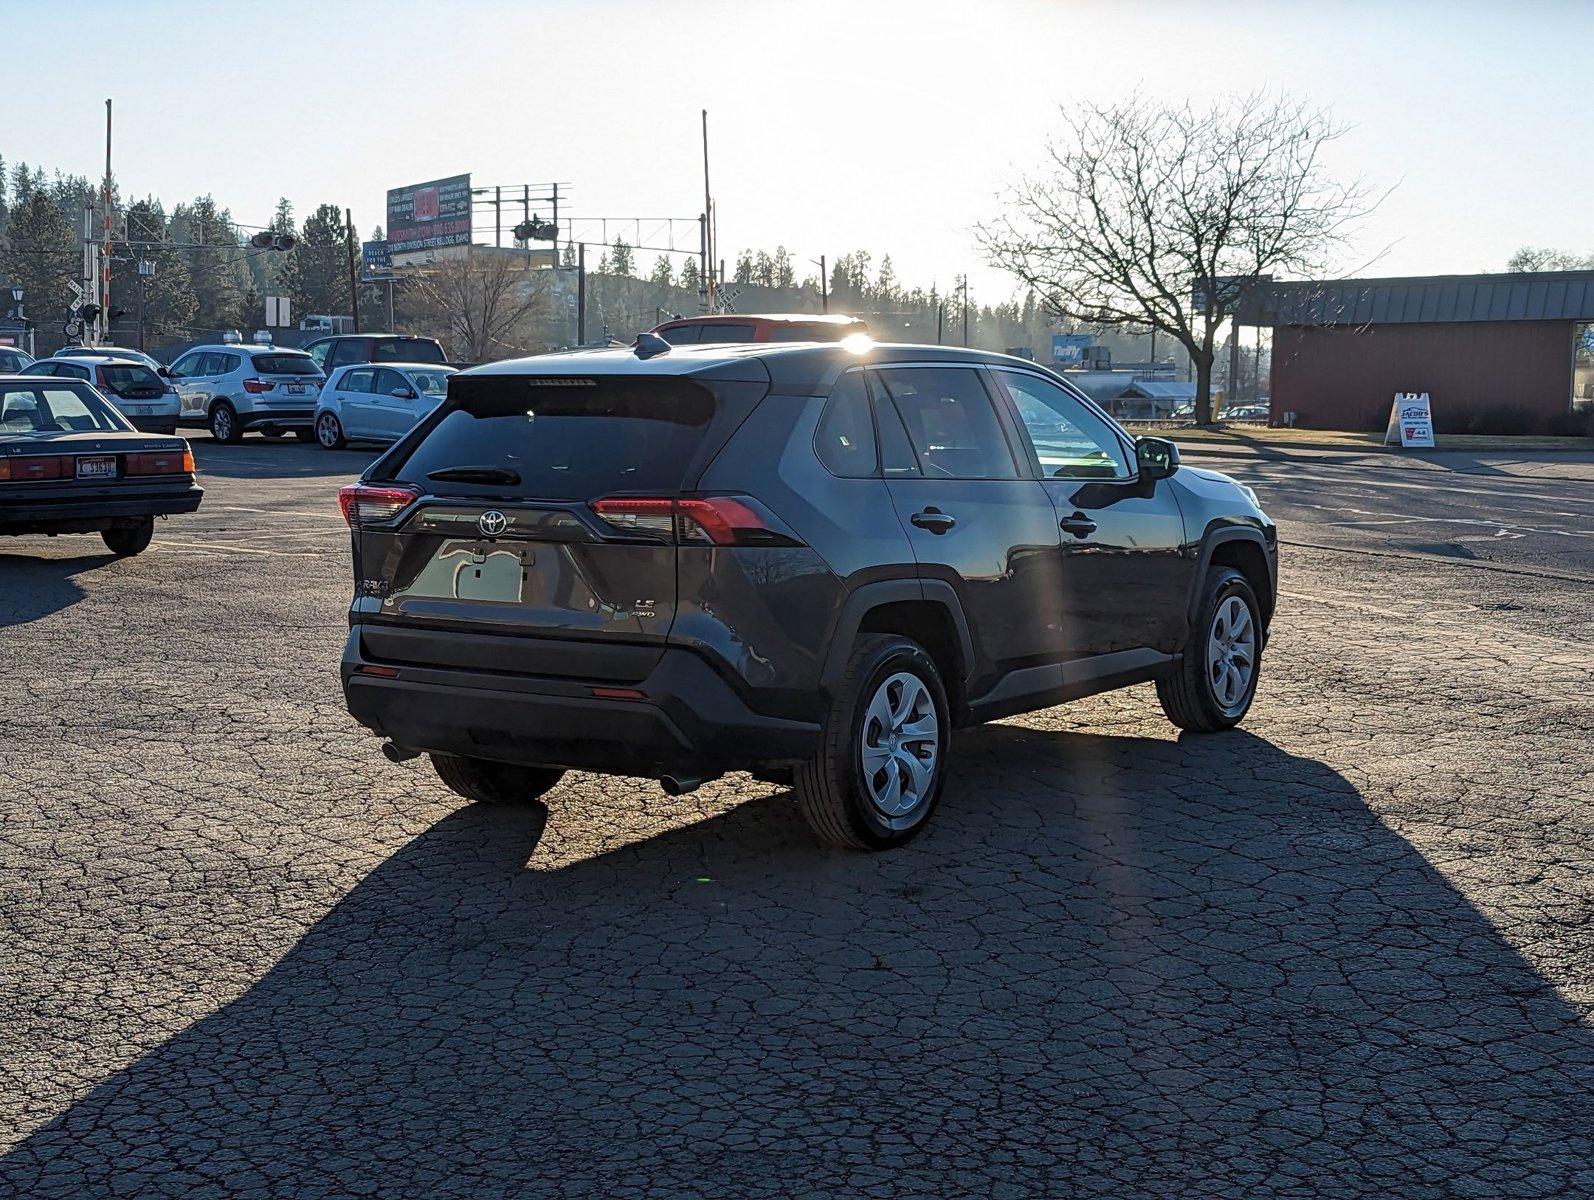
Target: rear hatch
[(537, 513), (285, 380), (131, 381)]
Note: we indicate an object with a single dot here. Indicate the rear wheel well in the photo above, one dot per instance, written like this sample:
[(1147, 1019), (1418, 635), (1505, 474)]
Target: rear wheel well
[(1247, 558), (931, 626)]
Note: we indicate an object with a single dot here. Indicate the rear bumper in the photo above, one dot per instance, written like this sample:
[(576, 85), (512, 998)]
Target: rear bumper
[(161, 424), (279, 418), (691, 720), (89, 514)]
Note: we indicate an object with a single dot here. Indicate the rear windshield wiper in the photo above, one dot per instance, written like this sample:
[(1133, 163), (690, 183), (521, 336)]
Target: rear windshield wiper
[(501, 475)]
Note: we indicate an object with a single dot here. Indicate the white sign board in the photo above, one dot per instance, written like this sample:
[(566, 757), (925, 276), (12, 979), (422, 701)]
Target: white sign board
[(279, 312), (1410, 420)]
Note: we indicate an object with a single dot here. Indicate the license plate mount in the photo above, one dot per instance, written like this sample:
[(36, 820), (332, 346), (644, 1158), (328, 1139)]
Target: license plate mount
[(97, 466)]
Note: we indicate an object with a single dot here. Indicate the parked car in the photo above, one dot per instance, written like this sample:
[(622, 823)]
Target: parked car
[(138, 392), (368, 403), (809, 562), (70, 463), (235, 387), (12, 359), (771, 327), (1246, 412), (119, 352), (353, 348)]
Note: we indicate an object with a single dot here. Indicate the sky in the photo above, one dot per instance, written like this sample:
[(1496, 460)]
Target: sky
[(834, 125)]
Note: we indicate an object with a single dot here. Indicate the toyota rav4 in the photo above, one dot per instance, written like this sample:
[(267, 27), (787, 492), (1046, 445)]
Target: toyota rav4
[(810, 562)]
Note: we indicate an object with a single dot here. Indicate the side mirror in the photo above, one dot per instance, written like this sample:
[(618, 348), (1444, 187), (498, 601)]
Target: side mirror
[(402, 393), (1157, 457), (164, 373)]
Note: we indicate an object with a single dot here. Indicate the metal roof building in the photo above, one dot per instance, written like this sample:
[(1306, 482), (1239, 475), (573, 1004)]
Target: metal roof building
[(1497, 353)]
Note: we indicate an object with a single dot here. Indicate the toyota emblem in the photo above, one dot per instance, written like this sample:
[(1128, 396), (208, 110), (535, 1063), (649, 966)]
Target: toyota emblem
[(492, 523)]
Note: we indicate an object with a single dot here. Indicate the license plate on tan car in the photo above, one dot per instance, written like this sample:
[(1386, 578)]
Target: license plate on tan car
[(101, 466)]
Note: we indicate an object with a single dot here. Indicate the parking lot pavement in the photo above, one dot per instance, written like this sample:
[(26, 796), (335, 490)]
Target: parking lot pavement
[(1344, 951)]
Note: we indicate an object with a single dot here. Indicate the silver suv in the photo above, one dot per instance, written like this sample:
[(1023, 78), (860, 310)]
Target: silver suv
[(233, 388)]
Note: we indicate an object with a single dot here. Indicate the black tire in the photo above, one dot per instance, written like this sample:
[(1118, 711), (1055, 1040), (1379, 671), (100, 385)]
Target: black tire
[(488, 782), (1188, 695), (304, 435), (124, 541), (329, 431), (832, 791), (224, 424)]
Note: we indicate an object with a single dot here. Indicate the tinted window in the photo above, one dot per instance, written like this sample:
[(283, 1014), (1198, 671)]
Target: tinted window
[(229, 363), (12, 360), (350, 350), (1071, 441), (286, 364), (406, 350), (357, 381), (388, 382), (319, 353), (950, 422), (53, 408), (619, 436), (820, 331), (845, 437), (40, 368), (217, 364), (72, 371), (897, 460), (682, 335), (122, 377), (718, 332)]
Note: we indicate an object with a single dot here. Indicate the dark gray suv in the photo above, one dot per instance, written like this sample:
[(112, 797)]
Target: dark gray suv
[(811, 562)]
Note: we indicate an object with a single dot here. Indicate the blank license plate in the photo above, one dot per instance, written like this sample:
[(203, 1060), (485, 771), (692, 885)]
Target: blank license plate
[(102, 467)]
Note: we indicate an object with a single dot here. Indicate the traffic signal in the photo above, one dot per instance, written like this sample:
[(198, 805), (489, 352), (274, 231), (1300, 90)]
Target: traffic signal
[(536, 229), (88, 313), (266, 239)]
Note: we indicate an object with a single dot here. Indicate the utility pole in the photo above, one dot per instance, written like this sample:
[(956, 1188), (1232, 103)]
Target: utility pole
[(354, 294), (824, 286), (708, 215), (145, 269), (498, 216), (556, 216), (581, 293), (105, 241), (702, 237), (1232, 392), (940, 319), (964, 286)]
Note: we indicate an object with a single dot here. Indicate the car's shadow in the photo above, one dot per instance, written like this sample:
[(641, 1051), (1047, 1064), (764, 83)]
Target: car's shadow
[(1115, 967), (34, 586), (258, 457)]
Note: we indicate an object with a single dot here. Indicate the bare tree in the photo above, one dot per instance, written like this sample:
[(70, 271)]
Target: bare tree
[(1151, 215), (1542, 258), (481, 306)]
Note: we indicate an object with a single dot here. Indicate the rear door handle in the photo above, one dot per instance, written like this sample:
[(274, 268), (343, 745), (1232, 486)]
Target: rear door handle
[(934, 520), (1078, 524)]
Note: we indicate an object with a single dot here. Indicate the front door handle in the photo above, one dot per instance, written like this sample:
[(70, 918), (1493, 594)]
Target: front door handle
[(1078, 524), (934, 520)]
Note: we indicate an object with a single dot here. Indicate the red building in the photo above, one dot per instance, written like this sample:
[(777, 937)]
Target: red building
[(1496, 353)]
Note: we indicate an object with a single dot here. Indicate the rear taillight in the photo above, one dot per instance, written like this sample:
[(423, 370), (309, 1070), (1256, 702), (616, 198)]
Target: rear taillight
[(162, 462), (26, 470), (708, 520), (254, 387), (366, 504)]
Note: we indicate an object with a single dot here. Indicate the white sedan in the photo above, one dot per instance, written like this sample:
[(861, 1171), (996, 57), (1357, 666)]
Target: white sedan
[(367, 402)]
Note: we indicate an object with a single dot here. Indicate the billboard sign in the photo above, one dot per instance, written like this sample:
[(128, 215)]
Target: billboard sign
[(377, 260), (429, 216), (1068, 349)]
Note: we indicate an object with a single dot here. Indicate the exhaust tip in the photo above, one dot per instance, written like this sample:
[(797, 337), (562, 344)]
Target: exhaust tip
[(398, 754)]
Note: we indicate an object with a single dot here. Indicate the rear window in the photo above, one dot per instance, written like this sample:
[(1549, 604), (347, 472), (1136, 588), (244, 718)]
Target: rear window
[(286, 364), (406, 350), (717, 331), (122, 376), (568, 439), (44, 408)]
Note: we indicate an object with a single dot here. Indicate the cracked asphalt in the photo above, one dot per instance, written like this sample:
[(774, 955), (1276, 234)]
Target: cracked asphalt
[(1344, 951)]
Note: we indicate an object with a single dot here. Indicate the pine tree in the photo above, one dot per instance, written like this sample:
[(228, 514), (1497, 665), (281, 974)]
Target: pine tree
[(621, 259), (744, 267), (691, 277), (323, 272), (568, 258), (169, 302), (216, 265), (663, 273), (40, 253), (785, 276)]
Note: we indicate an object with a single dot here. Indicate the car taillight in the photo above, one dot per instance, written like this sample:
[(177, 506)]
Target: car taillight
[(27, 469), (254, 387), (161, 462), (707, 520), (365, 504)]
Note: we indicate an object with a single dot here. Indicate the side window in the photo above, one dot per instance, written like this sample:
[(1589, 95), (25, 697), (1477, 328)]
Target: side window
[(350, 350), (683, 335), (388, 382), (72, 371), (950, 422), (319, 353), (229, 363), (720, 331), (1071, 441), (40, 368), (845, 438), (357, 381), (183, 367)]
